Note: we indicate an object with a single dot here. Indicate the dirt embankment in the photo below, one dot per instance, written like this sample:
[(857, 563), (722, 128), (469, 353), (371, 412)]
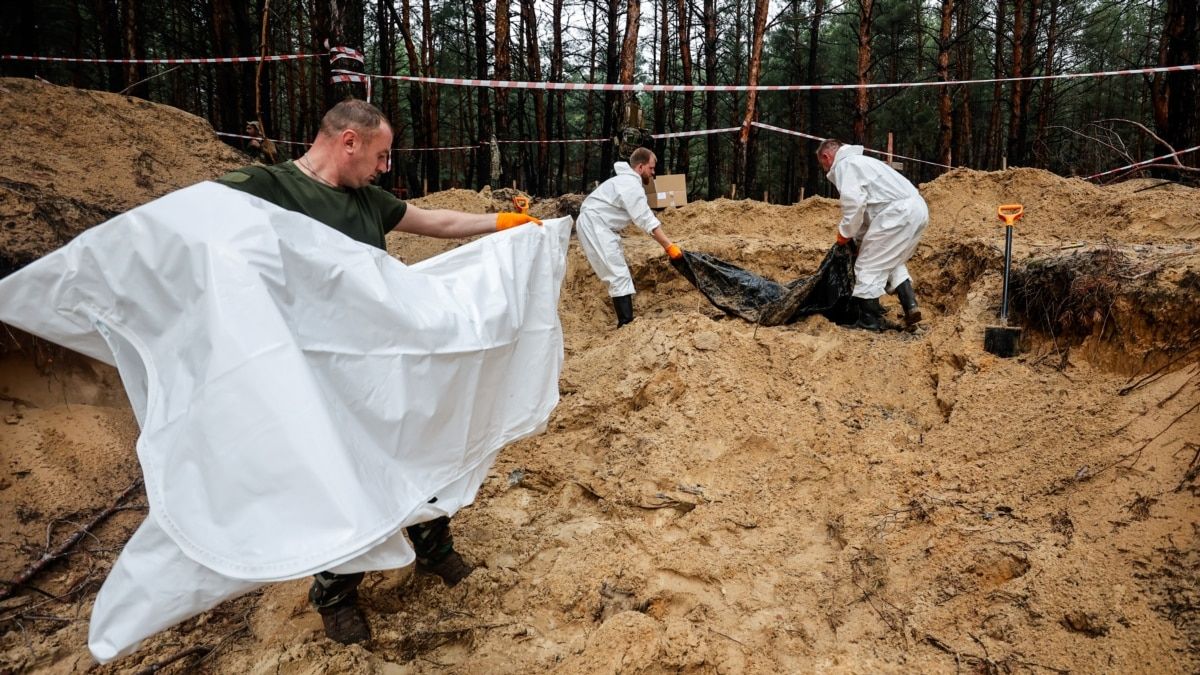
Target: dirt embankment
[(712, 496)]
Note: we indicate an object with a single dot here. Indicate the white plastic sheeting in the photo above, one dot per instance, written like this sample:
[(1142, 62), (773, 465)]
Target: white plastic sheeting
[(301, 396)]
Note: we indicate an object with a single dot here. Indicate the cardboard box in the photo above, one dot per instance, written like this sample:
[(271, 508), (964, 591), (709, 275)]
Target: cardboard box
[(668, 190)]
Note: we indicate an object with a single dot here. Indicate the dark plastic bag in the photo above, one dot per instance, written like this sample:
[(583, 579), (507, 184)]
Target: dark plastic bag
[(760, 300)]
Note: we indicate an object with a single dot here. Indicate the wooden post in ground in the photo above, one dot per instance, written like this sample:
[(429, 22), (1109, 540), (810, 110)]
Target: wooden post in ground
[(889, 151)]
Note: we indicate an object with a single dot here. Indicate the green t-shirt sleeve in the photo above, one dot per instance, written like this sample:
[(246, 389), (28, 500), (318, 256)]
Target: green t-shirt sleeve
[(250, 179), (391, 208)]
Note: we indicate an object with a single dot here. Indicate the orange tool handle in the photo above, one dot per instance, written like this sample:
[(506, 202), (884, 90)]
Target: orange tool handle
[(522, 203), (1010, 213)]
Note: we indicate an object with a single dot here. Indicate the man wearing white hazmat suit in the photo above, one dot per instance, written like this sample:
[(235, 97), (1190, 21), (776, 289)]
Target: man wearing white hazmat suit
[(885, 214), (608, 210)]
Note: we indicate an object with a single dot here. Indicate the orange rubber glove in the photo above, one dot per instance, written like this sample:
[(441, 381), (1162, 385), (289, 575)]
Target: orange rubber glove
[(674, 252), (842, 241), (505, 220)]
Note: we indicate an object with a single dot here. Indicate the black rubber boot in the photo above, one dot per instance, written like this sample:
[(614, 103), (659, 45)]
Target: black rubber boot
[(908, 301), (870, 314), (435, 551), (624, 306), (336, 599)]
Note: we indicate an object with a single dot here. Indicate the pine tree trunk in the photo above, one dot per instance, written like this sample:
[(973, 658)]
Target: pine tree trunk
[(814, 109), (682, 157), (862, 99), (746, 158), (534, 64), (945, 123), (710, 98), (1175, 94), (484, 103), (503, 72)]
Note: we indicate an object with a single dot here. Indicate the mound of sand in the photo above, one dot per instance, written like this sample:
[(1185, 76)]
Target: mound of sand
[(74, 158), (712, 496)]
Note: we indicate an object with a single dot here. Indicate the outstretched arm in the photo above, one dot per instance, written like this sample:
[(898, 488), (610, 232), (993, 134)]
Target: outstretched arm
[(447, 224)]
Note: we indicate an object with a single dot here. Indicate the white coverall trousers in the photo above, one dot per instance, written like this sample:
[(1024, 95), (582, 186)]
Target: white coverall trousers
[(890, 240), (602, 246)]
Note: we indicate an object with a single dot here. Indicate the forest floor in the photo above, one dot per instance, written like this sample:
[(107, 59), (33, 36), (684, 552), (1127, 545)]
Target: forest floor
[(710, 496)]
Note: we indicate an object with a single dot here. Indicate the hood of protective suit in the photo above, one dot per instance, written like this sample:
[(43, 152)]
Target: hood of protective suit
[(842, 153), (623, 169)]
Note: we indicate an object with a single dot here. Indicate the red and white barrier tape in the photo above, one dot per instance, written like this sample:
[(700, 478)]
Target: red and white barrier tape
[(335, 54), (568, 140), (439, 148), (587, 86), (339, 53), (253, 138), (818, 138), (701, 132), (1148, 161), (347, 76)]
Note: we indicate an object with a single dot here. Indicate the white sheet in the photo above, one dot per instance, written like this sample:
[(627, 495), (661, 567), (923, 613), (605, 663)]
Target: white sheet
[(301, 395)]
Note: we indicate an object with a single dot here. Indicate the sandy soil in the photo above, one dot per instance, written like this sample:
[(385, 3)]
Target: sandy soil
[(710, 497)]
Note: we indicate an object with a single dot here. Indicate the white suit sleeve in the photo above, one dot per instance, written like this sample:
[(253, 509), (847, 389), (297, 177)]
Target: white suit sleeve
[(633, 198), (854, 201)]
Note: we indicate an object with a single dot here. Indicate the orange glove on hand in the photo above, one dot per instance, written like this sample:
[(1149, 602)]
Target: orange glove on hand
[(674, 252), (842, 241), (505, 220)]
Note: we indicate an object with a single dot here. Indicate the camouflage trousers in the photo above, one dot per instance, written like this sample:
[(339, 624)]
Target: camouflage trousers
[(431, 540)]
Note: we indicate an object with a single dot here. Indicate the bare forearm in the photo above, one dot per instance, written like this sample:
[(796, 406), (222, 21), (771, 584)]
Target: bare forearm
[(446, 224), (661, 238)]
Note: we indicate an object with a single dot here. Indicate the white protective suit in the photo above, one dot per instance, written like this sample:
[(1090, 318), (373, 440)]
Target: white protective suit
[(301, 395), (884, 212), (608, 210)]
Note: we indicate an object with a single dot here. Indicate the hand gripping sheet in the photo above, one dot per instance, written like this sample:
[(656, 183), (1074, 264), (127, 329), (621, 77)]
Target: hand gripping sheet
[(301, 396)]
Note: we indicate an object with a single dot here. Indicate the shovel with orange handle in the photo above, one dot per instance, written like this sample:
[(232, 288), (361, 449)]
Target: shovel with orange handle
[(522, 203), (1003, 340)]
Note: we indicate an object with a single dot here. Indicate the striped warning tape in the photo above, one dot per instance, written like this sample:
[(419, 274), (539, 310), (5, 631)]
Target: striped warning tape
[(818, 138), (1144, 163), (565, 140), (448, 148), (587, 86), (339, 53), (700, 132), (335, 54), (253, 138)]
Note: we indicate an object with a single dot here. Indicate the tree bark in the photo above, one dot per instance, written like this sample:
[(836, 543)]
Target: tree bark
[(664, 59), (993, 150), (862, 98), (814, 109), (746, 159), (683, 155), (534, 63), (945, 123), (558, 112), (484, 104), (710, 98), (503, 72), (433, 160), (1175, 94)]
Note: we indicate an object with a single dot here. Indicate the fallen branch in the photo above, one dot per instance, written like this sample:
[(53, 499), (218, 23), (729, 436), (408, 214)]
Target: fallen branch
[(63, 548), (202, 650)]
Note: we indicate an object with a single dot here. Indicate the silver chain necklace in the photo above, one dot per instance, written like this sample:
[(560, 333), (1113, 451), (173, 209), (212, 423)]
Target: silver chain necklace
[(313, 172)]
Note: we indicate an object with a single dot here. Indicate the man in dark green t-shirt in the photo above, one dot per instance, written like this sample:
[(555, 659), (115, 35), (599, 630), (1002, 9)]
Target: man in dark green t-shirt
[(333, 183)]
